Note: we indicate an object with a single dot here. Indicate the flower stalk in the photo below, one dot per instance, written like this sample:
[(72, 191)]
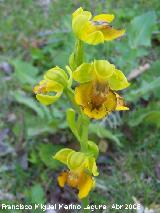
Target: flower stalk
[(84, 138)]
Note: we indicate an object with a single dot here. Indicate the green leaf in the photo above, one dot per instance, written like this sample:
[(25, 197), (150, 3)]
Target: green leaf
[(102, 132), (141, 29), (24, 72), (144, 90), (72, 123), (46, 152), (151, 117), (40, 130), (37, 194), (21, 98), (151, 74), (148, 86)]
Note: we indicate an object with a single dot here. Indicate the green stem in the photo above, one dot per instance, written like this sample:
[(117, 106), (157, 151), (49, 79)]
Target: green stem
[(70, 94), (84, 137), (76, 59), (85, 203), (79, 53)]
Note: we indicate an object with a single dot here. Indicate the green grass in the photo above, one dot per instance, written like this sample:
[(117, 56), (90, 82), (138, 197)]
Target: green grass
[(42, 38)]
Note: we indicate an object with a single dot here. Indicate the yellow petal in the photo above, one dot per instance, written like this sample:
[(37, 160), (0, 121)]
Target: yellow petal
[(47, 86), (94, 38), (78, 24), (84, 98), (41, 87), (73, 179), (110, 102), (120, 103), (63, 154), (47, 99), (104, 17), (85, 186), (62, 178), (53, 86), (80, 11), (118, 81), (108, 106), (83, 73), (121, 108), (77, 12), (110, 33), (96, 113), (83, 94), (103, 69), (92, 167)]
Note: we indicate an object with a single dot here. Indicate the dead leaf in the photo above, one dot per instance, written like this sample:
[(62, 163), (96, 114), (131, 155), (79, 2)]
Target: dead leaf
[(103, 146)]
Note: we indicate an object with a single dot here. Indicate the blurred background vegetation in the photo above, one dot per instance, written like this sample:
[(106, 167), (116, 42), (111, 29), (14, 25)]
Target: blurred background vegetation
[(35, 36)]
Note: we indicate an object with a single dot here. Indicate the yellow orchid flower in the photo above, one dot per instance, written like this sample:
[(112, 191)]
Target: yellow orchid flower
[(81, 167), (81, 181), (51, 87), (77, 161), (96, 92), (94, 30)]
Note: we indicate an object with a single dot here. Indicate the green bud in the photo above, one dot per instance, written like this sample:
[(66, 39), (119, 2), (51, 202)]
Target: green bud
[(93, 149)]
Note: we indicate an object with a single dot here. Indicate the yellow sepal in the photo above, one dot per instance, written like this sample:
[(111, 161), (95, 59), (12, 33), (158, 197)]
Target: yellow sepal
[(47, 99), (103, 69), (63, 155), (94, 38), (58, 75), (83, 73), (104, 17), (62, 178), (85, 186), (118, 81)]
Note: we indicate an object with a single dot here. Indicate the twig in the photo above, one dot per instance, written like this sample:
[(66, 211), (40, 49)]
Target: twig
[(136, 72)]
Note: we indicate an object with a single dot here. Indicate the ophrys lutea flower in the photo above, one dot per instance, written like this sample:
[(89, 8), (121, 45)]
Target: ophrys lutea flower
[(82, 167), (51, 87), (94, 30), (96, 93)]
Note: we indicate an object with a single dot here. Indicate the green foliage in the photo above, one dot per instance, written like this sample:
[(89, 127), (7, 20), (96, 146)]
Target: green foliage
[(46, 151), (25, 73), (36, 194), (151, 117), (148, 85), (21, 98), (141, 29), (102, 132)]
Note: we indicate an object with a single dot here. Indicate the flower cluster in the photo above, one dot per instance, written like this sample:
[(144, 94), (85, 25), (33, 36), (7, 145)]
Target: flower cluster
[(95, 96)]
